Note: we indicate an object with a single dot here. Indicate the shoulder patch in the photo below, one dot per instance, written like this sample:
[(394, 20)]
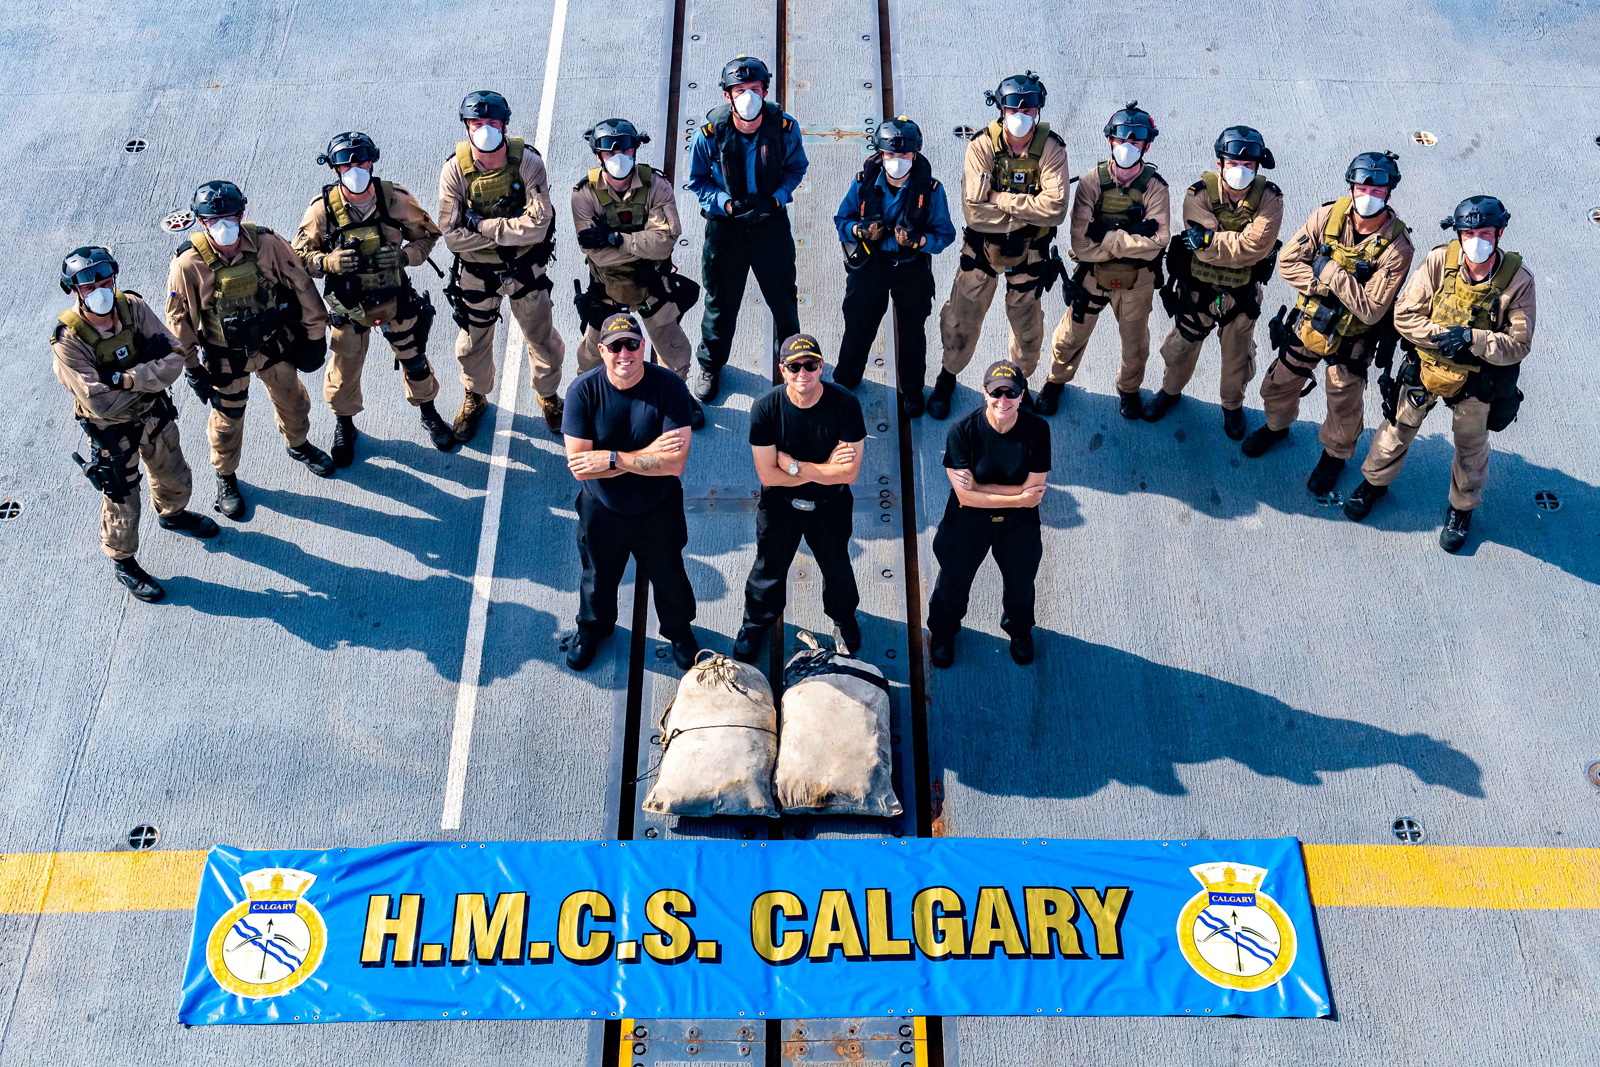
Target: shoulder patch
[(1330, 203), (133, 292), (1198, 187), (581, 183), (1272, 187), (265, 229), (181, 249), (56, 335), (979, 133), (708, 129)]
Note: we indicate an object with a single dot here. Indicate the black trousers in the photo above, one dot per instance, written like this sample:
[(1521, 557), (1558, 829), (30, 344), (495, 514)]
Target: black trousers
[(867, 292), (656, 539), (965, 536), (732, 251), (779, 528)]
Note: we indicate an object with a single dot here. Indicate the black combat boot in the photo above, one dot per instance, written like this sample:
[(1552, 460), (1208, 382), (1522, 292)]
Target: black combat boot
[(944, 387), (1325, 475), (1022, 648), (189, 523), (847, 636), (1129, 405), (1456, 525), (911, 402), (941, 650), (141, 585), (1359, 503), (685, 647), (697, 415), (344, 440), (1233, 422), (230, 501), (316, 460), (443, 437), (473, 405), (1256, 444), (705, 383), (552, 408), (582, 647), (1157, 406), (748, 644), (1050, 398)]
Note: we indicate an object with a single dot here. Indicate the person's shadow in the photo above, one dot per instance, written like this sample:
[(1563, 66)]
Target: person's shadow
[(1133, 721)]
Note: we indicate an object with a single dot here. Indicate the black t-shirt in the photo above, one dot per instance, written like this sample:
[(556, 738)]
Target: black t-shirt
[(998, 458), (808, 434), (626, 421)]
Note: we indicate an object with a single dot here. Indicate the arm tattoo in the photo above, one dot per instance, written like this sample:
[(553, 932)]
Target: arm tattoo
[(647, 463)]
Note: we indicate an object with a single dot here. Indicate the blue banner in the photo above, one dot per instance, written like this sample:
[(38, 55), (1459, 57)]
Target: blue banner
[(747, 929)]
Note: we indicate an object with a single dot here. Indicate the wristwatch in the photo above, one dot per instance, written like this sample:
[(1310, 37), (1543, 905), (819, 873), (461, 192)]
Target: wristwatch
[(794, 467), (116, 379), (613, 459)]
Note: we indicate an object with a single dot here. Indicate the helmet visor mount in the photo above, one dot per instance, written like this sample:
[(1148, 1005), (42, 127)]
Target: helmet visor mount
[(350, 154), (1021, 100), (1365, 176), (93, 274), (1125, 131)]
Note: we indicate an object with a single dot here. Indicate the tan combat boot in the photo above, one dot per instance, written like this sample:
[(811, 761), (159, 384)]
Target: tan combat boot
[(553, 409), (473, 405)]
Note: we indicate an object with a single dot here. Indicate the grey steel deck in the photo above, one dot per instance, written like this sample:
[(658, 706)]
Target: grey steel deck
[(1220, 655)]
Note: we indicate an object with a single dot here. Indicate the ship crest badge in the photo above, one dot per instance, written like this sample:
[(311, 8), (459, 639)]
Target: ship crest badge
[(1232, 933), (270, 942)]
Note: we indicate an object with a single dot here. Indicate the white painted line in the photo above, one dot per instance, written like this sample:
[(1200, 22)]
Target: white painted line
[(511, 373)]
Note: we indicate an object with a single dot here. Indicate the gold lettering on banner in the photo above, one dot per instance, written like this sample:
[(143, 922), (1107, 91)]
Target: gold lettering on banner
[(1107, 913), (482, 938), (665, 910), (881, 942), (836, 927), (581, 946), (940, 934), (764, 913), (994, 922), (404, 928), (1051, 910)]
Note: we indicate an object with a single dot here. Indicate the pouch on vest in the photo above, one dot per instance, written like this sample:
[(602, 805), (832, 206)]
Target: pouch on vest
[(1440, 376), (719, 739), (1317, 330), (1506, 400), (834, 755)]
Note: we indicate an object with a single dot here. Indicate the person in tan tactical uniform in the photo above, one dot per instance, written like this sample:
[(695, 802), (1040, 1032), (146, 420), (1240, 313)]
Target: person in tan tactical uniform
[(1347, 263), (1466, 320), (1014, 194), (1119, 232), (116, 358), (1218, 267), (494, 208), (240, 303), (360, 235), (627, 222)]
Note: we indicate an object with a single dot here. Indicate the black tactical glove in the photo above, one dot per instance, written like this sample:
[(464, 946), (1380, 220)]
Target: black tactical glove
[(1320, 260), (596, 236), (389, 257), (472, 221), (1097, 229), (1454, 343), (1364, 271), (200, 381), (309, 356), (1147, 228), (739, 208), (1197, 237)]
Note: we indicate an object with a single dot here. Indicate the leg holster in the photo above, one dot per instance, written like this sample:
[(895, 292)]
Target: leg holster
[(461, 310), (418, 308), (973, 256)]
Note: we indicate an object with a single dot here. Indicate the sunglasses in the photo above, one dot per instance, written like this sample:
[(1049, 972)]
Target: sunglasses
[(1005, 392), (809, 365), (632, 344)]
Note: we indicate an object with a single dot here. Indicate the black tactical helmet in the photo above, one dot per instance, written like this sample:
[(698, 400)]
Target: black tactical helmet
[(1019, 90), (1132, 124), (485, 104), (85, 266), (1374, 168), (897, 135), (1246, 143), (348, 148), (1474, 213), (614, 135), (218, 198), (745, 69)]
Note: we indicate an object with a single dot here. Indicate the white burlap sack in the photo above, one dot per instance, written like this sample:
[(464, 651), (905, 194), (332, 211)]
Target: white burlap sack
[(834, 753), (719, 735)]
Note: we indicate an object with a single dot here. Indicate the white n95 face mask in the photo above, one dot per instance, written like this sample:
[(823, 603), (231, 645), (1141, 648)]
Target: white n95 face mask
[(619, 166), (747, 104), (1477, 249), (1368, 206), (99, 300), (487, 138), (1018, 123), (1126, 154), (356, 179), (897, 168), (1238, 178), (223, 232)]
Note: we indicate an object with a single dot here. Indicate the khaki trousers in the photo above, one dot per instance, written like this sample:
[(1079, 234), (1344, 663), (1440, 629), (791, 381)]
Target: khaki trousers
[(1280, 399), (1470, 428), (1131, 307), (961, 320), (1237, 340), (170, 486), (347, 355), (666, 335), (475, 346), (291, 408)]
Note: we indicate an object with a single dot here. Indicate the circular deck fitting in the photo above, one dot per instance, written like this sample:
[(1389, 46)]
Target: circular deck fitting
[(1594, 775), (1409, 830), (1330, 499), (963, 133), (10, 509), (651, 832), (142, 837), (1546, 500), (138, 144), (1594, 216), (178, 221), (1425, 139)]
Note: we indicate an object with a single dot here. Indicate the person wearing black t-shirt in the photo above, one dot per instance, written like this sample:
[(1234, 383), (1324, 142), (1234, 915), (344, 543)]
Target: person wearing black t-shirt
[(996, 459), (627, 432), (806, 437)]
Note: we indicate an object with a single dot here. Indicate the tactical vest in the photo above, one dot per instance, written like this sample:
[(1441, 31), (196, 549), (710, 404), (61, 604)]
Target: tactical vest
[(367, 284), (1368, 250), (1460, 303), (625, 283), (1019, 174), (123, 350), (1232, 218), (729, 142), (498, 193), (917, 198), (245, 311), (1116, 202)]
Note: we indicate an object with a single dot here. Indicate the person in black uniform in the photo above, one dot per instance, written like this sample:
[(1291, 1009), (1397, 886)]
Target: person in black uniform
[(744, 164), (806, 437), (626, 426), (892, 222), (996, 458)]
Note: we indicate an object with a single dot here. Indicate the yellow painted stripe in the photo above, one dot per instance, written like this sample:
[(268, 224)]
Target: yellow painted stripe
[(625, 1046), (1446, 876), (1341, 876)]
